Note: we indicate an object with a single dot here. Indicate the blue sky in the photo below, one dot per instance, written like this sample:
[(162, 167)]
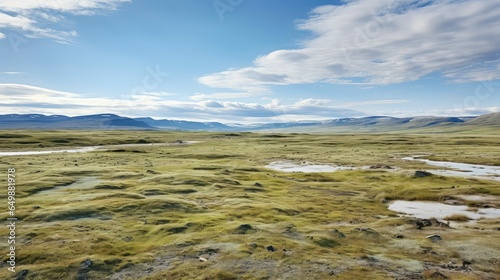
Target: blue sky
[(250, 61)]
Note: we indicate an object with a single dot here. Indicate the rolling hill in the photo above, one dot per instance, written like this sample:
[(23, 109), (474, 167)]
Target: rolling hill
[(99, 121), (370, 124), (486, 120)]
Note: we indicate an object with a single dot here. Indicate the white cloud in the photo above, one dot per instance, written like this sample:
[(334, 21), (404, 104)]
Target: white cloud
[(18, 22), (18, 98), (149, 96), (457, 112), (471, 111), (221, 95), (25, 99), (380, 43), (375, 102), (30, 16), (2, 36), (10, 73), (69, 6)]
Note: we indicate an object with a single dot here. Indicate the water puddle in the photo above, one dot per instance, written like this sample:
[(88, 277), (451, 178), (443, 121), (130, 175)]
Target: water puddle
[(27, 153), (67, 193), (90, 149), (427, 210), (85, 183), (481, 198), (288, 166), (462, 169)]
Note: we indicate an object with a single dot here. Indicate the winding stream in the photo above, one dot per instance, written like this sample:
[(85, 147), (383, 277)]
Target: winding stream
[(27, 153), (88, 149)]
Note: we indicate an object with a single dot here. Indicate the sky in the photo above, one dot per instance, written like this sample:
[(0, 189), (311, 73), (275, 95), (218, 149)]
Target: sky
[(250, 61)]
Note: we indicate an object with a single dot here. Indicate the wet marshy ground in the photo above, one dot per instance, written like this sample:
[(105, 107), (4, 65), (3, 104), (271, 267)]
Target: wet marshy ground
[(250, 206)]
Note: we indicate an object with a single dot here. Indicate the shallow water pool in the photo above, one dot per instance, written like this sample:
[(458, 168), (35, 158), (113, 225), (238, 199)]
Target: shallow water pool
[(288, 166), (427, 210), (462, 169)]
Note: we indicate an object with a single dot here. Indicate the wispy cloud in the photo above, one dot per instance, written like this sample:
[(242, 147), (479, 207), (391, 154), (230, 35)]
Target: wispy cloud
[(18, 98), (471, 111), (10, 73), (32, 17), (221, 95), (457, 112), (375, 102), (379, 43)]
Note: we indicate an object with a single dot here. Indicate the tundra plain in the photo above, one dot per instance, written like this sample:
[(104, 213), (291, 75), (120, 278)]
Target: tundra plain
[(211, 209)]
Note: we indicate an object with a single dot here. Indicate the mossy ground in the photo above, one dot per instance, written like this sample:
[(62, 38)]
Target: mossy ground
[(149, 212)]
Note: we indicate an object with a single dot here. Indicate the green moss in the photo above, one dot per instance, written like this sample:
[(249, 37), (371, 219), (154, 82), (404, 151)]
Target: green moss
[(327, 243), (166, 207)]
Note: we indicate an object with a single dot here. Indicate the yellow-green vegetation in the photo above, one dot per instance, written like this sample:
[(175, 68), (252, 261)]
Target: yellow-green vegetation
[(457, 218), (151, 211)]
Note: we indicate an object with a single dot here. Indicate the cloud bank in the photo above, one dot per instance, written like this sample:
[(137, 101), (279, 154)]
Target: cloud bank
[(26, 99), (381, 43)]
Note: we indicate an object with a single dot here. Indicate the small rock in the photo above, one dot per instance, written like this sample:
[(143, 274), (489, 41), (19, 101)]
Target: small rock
[(338, 233), (399, 236), (84, 269), (434, 237), (423, 223), (466, 262), (252, 245), (369, 258), (435, 222), (427, 222), (257, 184), (177, 230), (22, 274), (202, 259), (271, 248), (244, 228), (380, 166), (420, 174), (210, 251), (86, 264)]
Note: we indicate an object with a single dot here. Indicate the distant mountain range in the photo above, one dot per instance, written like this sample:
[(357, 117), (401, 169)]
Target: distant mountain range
[(365, 124), (101, 121)]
